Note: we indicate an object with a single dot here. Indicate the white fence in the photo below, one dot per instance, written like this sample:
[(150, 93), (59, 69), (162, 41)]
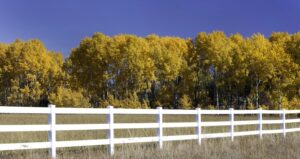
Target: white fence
[(110, 126)]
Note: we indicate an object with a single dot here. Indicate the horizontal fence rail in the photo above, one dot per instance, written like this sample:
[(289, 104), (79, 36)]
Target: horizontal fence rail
[(159, 125)]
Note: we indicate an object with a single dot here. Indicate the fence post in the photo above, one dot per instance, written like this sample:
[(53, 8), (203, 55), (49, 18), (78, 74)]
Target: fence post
[(110, 133), (231, 119), (283, 127), (198, 129), (52, 132), (160, 126), (260, 125)]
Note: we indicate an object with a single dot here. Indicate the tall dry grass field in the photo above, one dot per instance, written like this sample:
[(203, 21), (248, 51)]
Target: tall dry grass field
[(270, 147)]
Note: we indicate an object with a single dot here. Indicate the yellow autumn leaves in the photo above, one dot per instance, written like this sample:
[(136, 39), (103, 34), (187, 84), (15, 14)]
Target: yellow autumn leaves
[(29, 74), (212, 70)]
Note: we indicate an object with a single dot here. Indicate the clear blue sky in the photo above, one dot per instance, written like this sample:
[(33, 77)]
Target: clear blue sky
[(61, 24)]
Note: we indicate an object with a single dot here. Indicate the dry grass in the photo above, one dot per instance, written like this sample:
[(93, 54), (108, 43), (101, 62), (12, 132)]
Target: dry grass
[(272, 146)]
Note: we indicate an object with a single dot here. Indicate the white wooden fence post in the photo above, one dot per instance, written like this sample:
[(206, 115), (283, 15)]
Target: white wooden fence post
[(198, 129), (231, 119), (52, 132), (160, 128), (283, 126), (260, 125), (110, 133)]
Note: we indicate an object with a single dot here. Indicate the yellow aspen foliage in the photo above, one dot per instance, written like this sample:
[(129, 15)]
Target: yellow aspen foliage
[(185, 102), (294, 103), (28, 73), (64, 97), (212, 70)]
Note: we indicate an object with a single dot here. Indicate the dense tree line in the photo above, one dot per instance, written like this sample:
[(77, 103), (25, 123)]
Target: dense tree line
[(212, 71)]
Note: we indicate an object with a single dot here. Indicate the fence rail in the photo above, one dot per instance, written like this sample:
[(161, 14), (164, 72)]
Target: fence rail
[(110, 126)]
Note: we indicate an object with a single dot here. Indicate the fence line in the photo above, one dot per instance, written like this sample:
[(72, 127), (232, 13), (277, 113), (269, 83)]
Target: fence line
[(110, 126)]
